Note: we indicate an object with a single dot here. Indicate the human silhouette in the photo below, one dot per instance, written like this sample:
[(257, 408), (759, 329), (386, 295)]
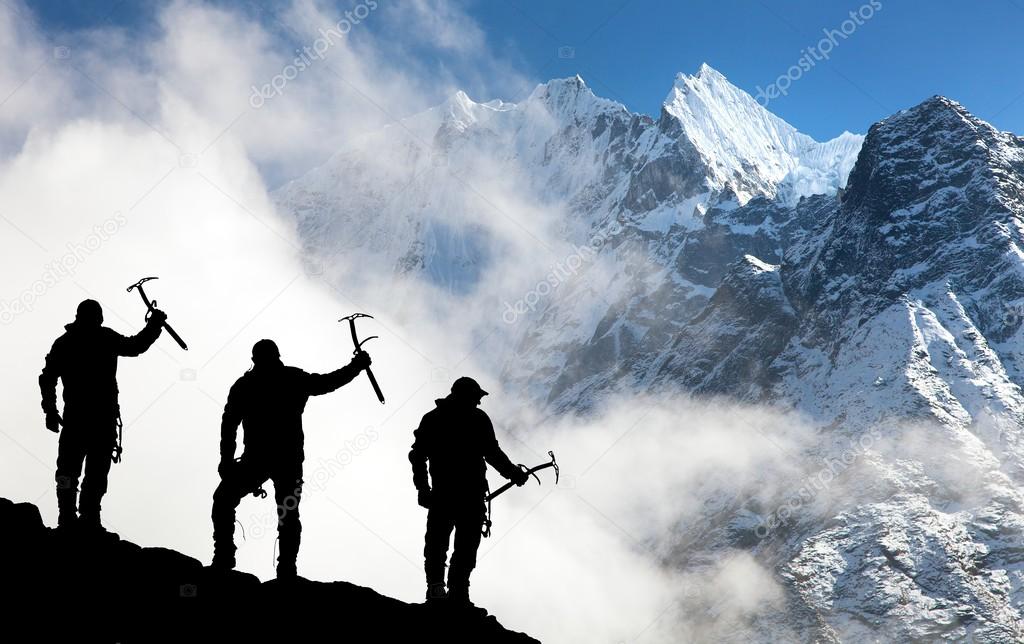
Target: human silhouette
[(456, 439), (268, 401), (84, 359)]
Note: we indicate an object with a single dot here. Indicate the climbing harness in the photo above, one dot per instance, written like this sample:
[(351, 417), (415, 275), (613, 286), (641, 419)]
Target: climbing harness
[(119, 445)]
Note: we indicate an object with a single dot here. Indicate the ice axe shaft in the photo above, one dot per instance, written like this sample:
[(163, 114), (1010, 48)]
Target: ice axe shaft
[(152, 305), (532, 472), (359, 347)]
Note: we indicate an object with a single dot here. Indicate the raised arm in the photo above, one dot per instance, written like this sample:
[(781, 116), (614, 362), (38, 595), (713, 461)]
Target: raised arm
[(137, 344), (229, 427), (318, 384)]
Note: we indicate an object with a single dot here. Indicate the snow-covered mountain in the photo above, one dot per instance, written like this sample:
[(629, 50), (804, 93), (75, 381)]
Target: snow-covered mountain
[(870, 283), (899, 302), (750, 149), (411, 199), (401, 185), (902, 295)]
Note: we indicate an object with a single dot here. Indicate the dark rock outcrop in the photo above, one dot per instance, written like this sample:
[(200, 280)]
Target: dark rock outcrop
[(61, 585)]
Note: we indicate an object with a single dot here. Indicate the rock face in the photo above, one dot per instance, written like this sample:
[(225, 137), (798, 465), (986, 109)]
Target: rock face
[(724, 346), (910, 287), (100, 589)]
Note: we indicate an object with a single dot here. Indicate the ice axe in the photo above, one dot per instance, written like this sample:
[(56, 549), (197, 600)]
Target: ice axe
[(359, 347), (151, 305), (532, 471)]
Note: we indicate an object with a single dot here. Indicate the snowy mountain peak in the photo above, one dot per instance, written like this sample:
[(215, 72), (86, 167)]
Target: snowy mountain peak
[(749, 149), (706, 73), (571, 97), (939, 102), (708, 106), (457, 114), (560, 87), (460, 105), (937, 112)]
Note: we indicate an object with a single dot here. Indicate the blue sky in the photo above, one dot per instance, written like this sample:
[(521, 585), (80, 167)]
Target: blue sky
[(907, 51), (630, 50)]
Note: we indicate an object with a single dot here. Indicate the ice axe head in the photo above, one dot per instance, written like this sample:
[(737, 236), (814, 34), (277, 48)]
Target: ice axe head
[(138, 285), (351, 319), (151, 307), (554, 465)]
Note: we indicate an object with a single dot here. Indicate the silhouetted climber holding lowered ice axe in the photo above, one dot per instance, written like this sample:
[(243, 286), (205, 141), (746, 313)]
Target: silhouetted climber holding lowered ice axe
[(268, 401), (84, 358), (457, 440)]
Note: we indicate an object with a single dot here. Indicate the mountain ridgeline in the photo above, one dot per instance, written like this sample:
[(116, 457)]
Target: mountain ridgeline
[(868, 282)]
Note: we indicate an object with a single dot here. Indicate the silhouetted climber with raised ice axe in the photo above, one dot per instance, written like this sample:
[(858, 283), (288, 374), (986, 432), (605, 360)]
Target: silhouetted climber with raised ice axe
[(457, 440), (84, 358), (268, 401)]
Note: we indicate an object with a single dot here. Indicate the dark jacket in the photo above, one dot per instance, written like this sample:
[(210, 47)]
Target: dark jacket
[(268, 402), (84, 358), (457, 440)]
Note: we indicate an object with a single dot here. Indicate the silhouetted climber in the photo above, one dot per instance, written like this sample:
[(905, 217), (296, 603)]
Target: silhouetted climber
[(268, 401), (457, 439), (84, 358)]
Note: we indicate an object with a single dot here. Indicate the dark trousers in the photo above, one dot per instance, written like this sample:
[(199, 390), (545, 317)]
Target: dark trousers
[(89, 441), (466, 519), (246, 477)]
